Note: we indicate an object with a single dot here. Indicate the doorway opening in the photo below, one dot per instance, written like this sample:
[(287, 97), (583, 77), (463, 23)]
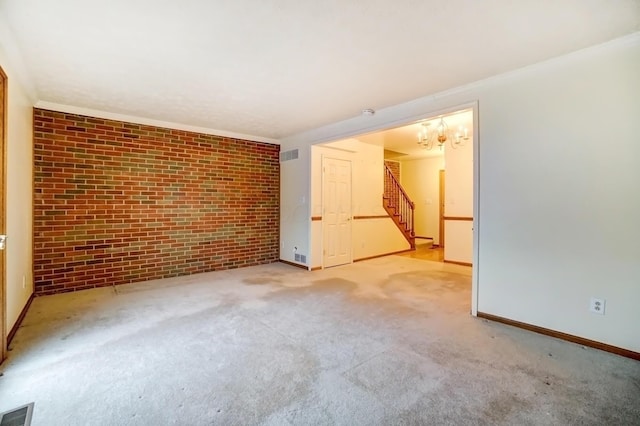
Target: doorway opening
[(437, 170)]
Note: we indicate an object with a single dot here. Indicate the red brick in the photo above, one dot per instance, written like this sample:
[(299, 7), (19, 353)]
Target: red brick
[(121, 202)]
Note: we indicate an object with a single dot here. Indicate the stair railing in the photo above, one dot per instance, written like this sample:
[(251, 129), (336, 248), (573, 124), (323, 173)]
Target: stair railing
[(398, 204)]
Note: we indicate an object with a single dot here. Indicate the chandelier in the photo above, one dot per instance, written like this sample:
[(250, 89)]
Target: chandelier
[(428, 138)]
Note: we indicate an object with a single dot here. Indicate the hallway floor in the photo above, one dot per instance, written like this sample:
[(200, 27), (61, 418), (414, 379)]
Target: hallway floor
[(381, 342), (425, 251)]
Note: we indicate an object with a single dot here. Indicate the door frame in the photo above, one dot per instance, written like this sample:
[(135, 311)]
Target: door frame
[(324, 222), (408, 117), (397, 121), (473, 106), (3, 189), (476, 212), (441, 183)]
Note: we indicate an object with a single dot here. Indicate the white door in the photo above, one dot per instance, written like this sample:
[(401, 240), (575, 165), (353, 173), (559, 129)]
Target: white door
[(336, 211)]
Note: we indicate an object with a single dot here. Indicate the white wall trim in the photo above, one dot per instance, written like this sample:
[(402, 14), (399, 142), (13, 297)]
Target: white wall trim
[(475, 257), (149, 121)]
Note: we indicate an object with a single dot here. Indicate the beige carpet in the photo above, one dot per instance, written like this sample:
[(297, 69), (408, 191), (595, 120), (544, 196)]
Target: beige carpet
[(382, 342)]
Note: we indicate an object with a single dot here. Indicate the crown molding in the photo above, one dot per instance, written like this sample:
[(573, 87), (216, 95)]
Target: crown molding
[(52, 106), (445, 101)]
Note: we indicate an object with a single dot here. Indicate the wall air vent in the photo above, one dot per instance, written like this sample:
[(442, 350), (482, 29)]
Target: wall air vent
[(20, 416), (300, 258), (289, 155)]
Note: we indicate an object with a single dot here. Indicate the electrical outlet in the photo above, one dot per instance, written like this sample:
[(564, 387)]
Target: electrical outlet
[(597, 306)]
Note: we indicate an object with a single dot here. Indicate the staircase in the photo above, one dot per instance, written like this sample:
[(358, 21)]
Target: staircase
[(399, 206)]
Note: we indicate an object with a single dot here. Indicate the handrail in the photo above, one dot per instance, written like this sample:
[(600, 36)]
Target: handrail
[(399, 201), (397, 184)]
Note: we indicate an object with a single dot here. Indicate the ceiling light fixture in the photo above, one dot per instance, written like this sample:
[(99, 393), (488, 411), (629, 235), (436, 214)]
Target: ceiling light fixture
[(461, 136), (424, 139), (427, 138)]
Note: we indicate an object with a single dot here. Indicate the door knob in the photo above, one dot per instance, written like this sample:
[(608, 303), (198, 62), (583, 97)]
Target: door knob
[(3, 240)]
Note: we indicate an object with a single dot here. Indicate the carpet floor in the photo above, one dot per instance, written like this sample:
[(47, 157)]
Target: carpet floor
[(387, 341)]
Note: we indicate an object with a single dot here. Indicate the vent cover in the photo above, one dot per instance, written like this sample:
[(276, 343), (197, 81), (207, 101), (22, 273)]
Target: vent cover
[(300, 258), (20, 416), (289, 155)]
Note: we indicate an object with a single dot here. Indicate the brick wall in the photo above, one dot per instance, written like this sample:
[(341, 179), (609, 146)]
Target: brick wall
[(117, 202), (394, 166)]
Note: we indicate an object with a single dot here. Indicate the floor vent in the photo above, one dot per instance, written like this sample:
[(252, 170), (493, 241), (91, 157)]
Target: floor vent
[(20, 416), (289, 155)]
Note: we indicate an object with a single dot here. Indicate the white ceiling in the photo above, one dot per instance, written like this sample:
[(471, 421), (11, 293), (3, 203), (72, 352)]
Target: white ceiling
[(273, 68)]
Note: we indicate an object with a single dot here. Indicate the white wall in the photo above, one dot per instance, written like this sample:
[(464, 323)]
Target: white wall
[(420, 179), (294, 205), (458, 202), (559, 196), (458, 241), (19, 185), (370, 236), (558, 207), (458, 187)]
